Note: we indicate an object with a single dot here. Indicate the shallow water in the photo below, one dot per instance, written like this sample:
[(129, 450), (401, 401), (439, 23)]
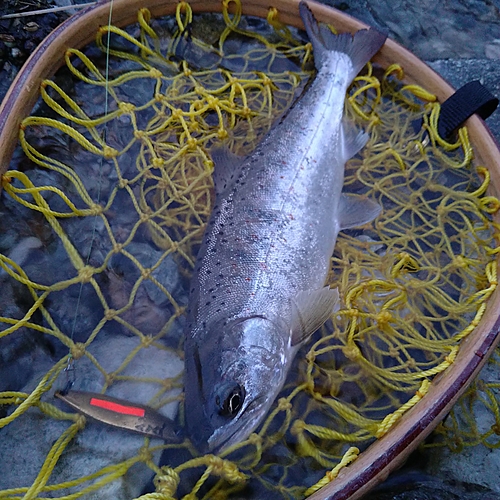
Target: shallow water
[(92, 241)]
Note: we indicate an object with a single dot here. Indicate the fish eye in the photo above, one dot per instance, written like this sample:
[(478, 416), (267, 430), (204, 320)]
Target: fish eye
[(230, 400)]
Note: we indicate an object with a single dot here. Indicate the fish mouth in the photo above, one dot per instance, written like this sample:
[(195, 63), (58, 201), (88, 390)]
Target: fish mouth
[(219, 441), (218, 444)]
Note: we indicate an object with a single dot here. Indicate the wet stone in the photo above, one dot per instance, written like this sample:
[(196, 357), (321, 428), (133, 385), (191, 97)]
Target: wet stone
[(110, 352), (26, 442), (432, 30), (479, 464), (97, 445)]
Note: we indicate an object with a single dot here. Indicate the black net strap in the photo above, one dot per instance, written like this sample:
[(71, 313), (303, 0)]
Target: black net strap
[(472, 98)]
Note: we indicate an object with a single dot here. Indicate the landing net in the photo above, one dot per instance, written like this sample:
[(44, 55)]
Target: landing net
[(129, 165)]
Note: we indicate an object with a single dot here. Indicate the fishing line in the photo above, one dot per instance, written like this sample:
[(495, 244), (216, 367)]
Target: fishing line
[(46, 11), (70, 368)]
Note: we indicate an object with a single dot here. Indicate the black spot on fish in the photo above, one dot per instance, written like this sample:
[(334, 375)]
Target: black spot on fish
[(221, 275), (207, 303)]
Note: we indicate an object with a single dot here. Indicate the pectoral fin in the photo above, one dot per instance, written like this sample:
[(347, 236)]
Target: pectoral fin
[(355, 210), (310, 309)]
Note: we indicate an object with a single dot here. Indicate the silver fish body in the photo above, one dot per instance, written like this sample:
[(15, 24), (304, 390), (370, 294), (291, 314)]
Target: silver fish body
[(258, 289)]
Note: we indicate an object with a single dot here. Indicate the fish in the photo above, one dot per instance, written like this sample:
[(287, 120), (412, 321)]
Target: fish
[(258, 290)]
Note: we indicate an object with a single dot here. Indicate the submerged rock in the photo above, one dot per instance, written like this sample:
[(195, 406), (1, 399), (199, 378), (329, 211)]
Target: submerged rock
[(128, 380), (25, 442)]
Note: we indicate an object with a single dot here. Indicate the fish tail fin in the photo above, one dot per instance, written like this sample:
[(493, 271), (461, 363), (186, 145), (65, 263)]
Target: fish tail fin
[(360, 48)]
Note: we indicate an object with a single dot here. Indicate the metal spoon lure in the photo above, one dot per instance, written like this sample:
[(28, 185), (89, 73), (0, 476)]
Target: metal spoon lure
[(123, 414)]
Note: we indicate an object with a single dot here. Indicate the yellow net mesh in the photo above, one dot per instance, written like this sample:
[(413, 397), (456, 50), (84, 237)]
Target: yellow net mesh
[(413, 284)]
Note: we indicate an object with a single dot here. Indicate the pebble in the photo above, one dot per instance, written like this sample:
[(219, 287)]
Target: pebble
[(492, 50)]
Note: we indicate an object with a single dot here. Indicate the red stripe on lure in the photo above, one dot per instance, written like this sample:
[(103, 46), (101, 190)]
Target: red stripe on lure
[(117, 408)]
